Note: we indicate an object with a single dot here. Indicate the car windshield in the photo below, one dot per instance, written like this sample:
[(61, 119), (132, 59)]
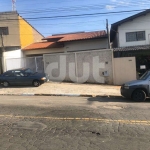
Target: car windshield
[(29, 71), (145, 75)]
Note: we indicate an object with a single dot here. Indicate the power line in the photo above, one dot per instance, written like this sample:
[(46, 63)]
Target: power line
[(80, 7), (57, 23), (87, 31), (77, 15), (72, 8)]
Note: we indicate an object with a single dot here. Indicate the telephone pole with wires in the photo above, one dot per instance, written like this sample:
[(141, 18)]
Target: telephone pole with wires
[(13, 5), (107, 27)]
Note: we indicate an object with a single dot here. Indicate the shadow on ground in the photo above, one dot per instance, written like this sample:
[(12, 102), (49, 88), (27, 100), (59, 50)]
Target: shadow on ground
[(114, 99), (17, 86)]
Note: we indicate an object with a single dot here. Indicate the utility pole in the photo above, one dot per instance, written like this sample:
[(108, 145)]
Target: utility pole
[(2, 53), (108, 33)]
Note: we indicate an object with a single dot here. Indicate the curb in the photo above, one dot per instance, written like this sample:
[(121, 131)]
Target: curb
[(80, 95), (69, 95)]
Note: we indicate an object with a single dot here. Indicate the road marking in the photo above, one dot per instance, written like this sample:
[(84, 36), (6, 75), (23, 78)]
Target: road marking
[(145, 122)]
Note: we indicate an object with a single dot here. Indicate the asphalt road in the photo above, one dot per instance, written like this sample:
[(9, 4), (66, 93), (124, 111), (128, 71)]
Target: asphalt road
[(73, 123)]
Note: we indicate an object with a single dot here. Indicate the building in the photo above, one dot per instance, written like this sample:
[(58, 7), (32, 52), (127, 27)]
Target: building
[(131, 37), (16, 33), (71, 42), (131, 31)]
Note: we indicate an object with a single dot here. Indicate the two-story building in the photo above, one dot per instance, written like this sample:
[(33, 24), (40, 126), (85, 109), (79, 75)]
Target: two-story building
[(15, 33), (131, 37)]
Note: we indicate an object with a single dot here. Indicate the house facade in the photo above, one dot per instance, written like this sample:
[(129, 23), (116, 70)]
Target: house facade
[(16, 33), (130, 37), (131, 31), (71, 42), (75, 57)]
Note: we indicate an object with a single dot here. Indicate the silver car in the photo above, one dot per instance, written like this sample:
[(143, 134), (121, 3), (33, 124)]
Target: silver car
[(139, 89)]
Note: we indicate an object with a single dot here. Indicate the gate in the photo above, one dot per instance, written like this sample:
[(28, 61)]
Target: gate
[(34, 63), (0, 65), (124, 70)]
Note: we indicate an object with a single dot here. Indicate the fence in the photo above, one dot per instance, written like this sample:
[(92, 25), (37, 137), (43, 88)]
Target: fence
[(85, 66), (0, 65), (35, 63)]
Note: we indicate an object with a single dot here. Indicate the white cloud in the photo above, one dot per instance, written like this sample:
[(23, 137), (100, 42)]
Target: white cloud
[(110, 7), (121, 2), (125, 3)]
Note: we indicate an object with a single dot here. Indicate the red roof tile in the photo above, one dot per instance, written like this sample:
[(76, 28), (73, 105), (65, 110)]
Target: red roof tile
[(53, 41), (39, 45), (77, 36)]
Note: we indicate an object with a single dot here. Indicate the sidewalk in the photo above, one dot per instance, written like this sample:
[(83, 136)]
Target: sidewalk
[(63, 89)]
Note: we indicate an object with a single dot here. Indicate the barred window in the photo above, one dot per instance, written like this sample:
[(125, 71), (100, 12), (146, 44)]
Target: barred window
[(135, 36), (4, 30)]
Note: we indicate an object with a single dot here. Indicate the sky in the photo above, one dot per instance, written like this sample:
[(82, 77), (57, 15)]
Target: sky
[(51, 17)]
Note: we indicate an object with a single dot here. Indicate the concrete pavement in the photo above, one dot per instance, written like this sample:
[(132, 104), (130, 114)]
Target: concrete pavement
[(63, 89)]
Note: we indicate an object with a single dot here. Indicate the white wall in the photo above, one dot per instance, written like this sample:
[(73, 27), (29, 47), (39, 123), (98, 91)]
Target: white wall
[(139, 24), (86, 66), (10, 55), (13, 54)]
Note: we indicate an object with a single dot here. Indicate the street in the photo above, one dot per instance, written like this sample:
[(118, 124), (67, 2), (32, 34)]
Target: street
[(73, 123)]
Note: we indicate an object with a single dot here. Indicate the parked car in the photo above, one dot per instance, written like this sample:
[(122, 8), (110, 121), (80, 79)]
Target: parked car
[(139, 89), (24, 76)]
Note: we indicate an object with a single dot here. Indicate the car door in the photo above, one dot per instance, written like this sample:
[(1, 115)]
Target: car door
[(20, 78), (30, 75), (9, 76)]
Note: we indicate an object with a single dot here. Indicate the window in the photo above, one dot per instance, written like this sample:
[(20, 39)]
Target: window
[(4, 30), (29, 71), (8, 74), (135, 36), (19, 74)]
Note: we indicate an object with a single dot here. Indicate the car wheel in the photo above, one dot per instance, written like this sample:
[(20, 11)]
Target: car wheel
[(5, 84), (139, 96), (36, 83)]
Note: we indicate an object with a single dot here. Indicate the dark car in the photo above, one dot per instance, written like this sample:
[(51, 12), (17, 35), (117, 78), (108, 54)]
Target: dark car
[(23, 76), (139, 89)]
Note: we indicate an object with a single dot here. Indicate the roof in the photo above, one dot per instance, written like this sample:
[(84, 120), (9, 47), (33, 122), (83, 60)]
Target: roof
[(39, 45), (114, 26), (55, 41), (132, 48), (8, 12), (77, 36)]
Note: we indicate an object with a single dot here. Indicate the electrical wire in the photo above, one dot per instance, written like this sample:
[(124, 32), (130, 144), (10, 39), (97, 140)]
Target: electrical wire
[(77, 15)]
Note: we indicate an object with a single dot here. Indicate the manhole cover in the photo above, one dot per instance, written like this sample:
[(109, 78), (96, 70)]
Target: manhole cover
[(29, 125), (113, 107)]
